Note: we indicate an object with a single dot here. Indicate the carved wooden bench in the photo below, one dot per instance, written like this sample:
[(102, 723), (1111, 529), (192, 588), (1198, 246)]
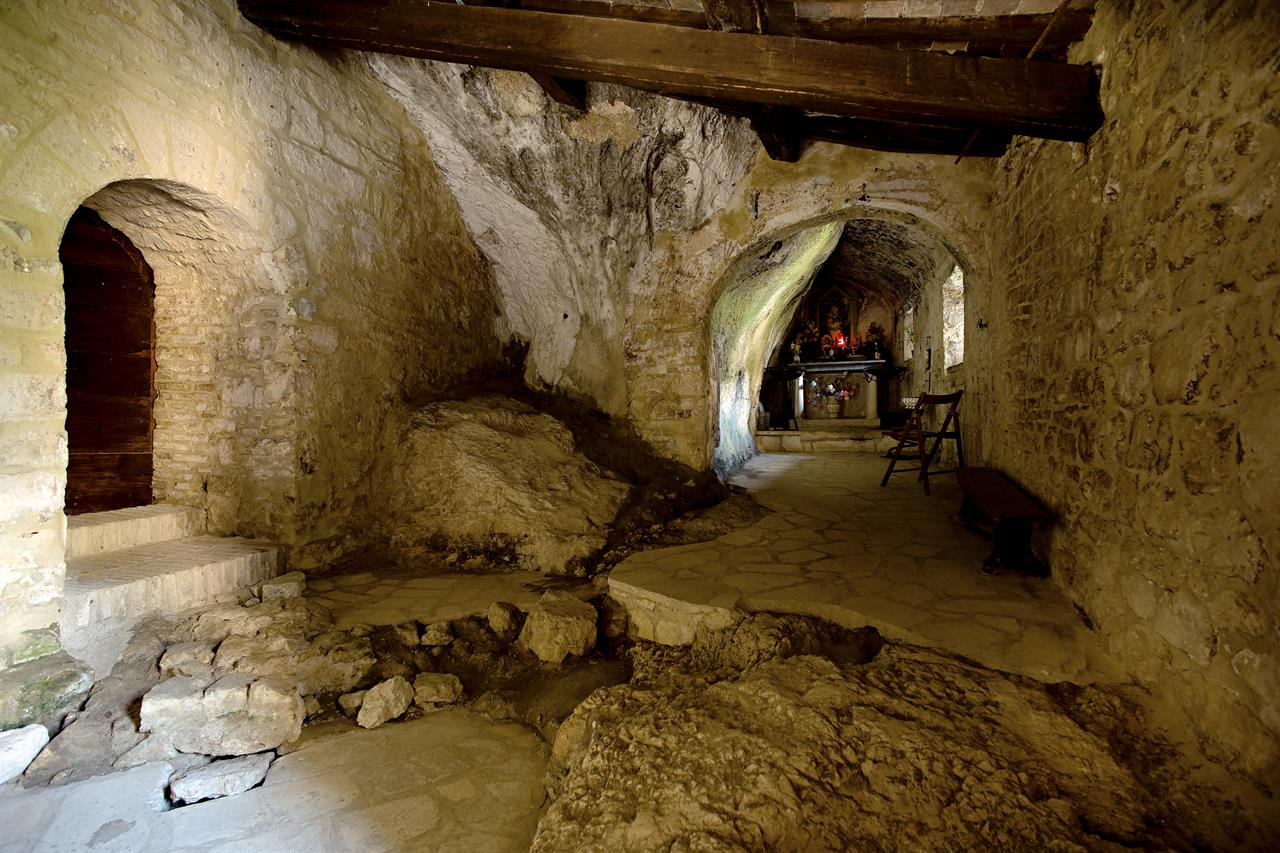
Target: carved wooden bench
[(1012, 514)]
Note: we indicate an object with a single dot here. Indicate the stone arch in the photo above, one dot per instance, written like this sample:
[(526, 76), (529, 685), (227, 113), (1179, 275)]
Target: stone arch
[(751, 313), (225, 356), (672, 396)]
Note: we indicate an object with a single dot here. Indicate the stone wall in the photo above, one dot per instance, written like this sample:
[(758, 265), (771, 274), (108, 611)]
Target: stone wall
[(312, 270), (1132, 357)]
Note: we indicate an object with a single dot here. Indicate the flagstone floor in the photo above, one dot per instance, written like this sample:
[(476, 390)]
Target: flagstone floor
[(839, 546)]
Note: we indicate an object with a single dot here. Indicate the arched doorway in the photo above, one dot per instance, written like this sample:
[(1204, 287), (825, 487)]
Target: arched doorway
[(110, 341)]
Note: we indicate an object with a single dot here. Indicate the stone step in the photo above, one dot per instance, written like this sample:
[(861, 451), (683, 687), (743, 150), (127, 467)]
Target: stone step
[(840, 425), (118, 587), (118, 529), (820, 441)]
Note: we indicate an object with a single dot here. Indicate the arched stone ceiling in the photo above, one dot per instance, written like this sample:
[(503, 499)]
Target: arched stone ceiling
[(885, 260)]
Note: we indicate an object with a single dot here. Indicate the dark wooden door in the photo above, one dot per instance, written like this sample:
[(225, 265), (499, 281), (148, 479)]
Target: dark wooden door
[(110, 366)]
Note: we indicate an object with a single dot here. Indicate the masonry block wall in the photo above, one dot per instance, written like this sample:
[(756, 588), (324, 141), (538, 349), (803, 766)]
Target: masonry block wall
[(1135, 340), (312, 270)]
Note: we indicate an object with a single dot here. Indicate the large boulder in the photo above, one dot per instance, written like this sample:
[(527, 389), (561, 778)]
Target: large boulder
[(912, 751), (235, 715), (490, 471), (558, 626)]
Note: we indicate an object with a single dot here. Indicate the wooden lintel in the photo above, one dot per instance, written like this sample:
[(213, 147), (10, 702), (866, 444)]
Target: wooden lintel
[(570, 93), (1041, 99)]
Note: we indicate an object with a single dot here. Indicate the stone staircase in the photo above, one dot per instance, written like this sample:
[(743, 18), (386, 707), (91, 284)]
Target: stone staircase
[(125, 564), (825, 435)]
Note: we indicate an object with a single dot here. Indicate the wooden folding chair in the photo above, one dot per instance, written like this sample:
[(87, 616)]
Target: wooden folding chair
[(912, 437)]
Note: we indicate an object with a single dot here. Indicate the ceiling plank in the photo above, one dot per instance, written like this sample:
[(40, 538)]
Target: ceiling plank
[(1041, 99)]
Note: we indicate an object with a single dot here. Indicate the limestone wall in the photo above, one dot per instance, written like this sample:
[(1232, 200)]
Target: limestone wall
[(312, 270), (1132, 357)]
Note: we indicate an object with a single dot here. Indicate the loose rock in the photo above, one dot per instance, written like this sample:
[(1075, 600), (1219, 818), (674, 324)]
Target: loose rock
[(559, 625), (18, 748), (407, 633), (436, 688), (349, 703), (291, 585), (504, 620), (384, 702), (437, 634), (220, 778), (191, 658), (235, 715)]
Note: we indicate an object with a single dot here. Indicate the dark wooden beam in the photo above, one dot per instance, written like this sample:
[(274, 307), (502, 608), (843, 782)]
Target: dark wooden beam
[(1040, 99), (846, 22), (736, 16), (570, 93), (901, 137), (779, 134)]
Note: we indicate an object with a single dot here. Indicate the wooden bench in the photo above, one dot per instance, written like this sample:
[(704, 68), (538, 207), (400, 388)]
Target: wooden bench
[(1013, 515)]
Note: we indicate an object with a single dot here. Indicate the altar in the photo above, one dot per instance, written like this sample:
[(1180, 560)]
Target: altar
[(846, 388)]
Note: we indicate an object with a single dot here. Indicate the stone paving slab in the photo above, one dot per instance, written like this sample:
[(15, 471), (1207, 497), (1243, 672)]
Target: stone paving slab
[(451, 781), (389, 598), (840, 547)]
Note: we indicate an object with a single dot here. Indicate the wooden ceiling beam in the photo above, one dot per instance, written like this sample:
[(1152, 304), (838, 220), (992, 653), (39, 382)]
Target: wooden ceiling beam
[(1041, 99), (846, 22)]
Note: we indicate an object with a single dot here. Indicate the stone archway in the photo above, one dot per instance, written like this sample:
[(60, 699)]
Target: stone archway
[(752, 309), (222, 354)]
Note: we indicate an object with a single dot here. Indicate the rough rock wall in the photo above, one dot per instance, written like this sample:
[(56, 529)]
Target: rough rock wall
[(613, 233), (567, 205), (748, 322), (303, 243), (1133, 364)]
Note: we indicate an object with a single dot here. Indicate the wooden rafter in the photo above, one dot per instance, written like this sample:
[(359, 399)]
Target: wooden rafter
[(1042, 99), (996, 35)]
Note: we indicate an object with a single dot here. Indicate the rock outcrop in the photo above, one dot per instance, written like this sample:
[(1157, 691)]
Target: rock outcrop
[(914, 750), (491, 472), (235, 715), (432, 689)]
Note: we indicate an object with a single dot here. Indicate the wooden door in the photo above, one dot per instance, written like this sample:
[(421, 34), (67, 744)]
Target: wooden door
[(110, 367)]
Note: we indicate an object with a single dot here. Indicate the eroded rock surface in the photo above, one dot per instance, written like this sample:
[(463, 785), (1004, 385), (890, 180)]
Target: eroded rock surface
[(914, 750), (493, 472)]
